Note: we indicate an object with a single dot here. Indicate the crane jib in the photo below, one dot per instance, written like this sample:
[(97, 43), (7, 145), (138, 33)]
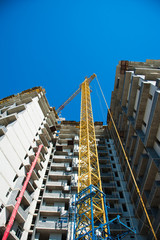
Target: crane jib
[(74, 94)]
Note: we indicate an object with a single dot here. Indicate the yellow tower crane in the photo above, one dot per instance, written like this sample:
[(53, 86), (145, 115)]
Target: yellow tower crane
[(91, 218)]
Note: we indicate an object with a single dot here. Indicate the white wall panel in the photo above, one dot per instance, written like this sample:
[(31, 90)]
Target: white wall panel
[(4, 188), (6, 170)]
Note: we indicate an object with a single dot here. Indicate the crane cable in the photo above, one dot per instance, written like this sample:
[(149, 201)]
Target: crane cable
[(134, 180)]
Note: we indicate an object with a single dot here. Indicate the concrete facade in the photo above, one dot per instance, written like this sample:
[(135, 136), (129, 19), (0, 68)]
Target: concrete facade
[(24, 124), (135, 106)]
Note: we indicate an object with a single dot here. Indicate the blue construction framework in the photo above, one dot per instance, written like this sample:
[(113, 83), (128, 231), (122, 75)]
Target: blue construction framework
[(89, 231)]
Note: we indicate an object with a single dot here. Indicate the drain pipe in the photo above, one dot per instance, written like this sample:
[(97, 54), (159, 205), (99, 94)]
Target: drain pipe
[(19, 198)]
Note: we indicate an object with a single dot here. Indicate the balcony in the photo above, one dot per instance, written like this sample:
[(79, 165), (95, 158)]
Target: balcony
[(27, 197), (21, 215), (134, 193), (112, 197), (60, 166), (103, 161), (115, 211), (110, 185), (56, 185), (31, 186), (142, 165), (143, 96), (50, 211), (107, 175), (105, 165), (103, 151), (36, 144), (116, 228), (138, 204), (59, 175), (101, 145), (74, 186), (154, 196), (149, 175), (28, 161), (156, 224), (76, 152), (57, 196), (3, 130), (4, 121), (59, 159), (45, 124), (75, 166), (143, 224), (45, 133), (52, 226), (43, 138)]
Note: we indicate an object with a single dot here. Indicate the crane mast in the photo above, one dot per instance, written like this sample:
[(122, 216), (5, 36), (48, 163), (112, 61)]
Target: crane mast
[(91, 212), (89, 172)]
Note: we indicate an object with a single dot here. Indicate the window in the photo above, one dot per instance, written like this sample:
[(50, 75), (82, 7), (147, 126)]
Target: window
[(124, 207), (19, 232), (144, 123), (53, 129), (8, 192), (21, 166), (44, 219), (1, 207), (15, 178), (118, 183), (111, 205), (150, 97), (128, 224), (58, 148), (121, 194), (70, 142)]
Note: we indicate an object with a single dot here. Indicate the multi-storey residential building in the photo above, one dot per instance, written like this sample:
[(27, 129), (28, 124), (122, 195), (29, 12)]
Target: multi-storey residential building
[(46, 210), (135, 106), (24, 124)]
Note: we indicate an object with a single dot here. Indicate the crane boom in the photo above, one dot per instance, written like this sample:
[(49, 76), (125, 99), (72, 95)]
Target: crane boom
[(73, 95)]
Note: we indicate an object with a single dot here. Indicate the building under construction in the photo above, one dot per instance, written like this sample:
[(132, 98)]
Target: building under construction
[(38, 199)]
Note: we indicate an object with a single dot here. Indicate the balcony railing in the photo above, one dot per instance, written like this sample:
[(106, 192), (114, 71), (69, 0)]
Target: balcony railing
[(51, 225), (57, 195)]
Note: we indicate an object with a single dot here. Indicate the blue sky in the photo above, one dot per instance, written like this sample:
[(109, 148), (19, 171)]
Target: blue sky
[(55, 44)]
